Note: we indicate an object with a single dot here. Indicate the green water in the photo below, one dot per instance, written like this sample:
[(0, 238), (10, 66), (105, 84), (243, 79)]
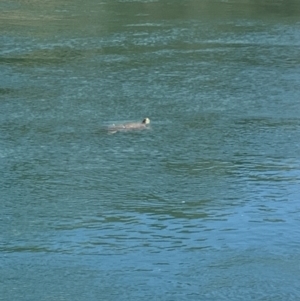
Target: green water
[(204, 205)]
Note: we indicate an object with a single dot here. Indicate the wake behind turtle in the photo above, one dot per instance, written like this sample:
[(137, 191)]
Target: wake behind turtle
[(131, 126)]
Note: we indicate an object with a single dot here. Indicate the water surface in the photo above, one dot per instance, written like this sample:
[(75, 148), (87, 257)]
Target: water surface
[(205, 205)]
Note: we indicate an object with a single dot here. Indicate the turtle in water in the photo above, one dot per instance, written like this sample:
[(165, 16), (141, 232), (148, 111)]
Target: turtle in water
[(129, 126)]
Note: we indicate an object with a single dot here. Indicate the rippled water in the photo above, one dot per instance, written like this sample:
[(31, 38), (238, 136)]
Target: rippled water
[(204, 205)]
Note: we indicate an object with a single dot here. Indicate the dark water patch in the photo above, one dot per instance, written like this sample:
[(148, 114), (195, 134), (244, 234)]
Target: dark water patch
[(4, 91), (49, 57)]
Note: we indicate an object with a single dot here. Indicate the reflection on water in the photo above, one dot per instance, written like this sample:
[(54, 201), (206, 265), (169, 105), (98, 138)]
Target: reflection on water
[(203, 206)]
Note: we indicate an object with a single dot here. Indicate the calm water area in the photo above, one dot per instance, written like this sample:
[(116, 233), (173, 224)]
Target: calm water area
[(204, 205)]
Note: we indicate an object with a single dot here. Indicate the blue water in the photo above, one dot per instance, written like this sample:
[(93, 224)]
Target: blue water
[(202, 206)]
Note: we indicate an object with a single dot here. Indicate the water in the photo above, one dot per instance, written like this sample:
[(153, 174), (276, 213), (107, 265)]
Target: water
[(205, 205)]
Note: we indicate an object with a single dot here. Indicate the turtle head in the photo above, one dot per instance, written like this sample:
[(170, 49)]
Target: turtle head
[(146, 121)]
